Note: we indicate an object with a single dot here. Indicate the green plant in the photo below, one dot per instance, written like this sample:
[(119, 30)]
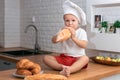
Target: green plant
[(104, 24), (116, 24)]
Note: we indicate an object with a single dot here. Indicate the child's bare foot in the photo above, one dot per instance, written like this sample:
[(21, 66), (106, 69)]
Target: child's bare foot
[(65, 71)]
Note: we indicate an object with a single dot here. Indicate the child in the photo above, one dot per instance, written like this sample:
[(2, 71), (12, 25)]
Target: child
[(73, 57)]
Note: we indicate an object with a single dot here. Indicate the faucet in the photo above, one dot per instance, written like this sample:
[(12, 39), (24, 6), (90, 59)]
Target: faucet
[(36, 48)]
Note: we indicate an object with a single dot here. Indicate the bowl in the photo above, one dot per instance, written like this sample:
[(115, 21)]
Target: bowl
[(105, 62)]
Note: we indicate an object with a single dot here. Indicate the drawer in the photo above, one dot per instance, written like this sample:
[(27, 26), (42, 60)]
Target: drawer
[(6, 65)]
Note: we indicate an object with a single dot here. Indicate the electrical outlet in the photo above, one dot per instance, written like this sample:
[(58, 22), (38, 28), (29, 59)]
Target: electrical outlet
[(33, 19)]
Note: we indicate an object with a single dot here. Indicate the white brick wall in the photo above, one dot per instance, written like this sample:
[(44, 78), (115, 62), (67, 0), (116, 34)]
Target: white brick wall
[(12, 23), (1, 23), (9, 23)]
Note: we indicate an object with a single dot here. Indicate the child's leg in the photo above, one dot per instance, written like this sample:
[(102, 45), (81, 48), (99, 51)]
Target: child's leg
[(51, 62), (76, 66), (79, 64)]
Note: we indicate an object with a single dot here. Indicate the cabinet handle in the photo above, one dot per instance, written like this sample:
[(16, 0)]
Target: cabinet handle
[(6, 63)]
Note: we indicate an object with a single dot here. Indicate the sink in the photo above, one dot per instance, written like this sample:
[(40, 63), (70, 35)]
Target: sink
[(19, 53)]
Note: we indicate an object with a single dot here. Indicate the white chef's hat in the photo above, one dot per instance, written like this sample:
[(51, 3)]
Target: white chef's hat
[(71, 8)]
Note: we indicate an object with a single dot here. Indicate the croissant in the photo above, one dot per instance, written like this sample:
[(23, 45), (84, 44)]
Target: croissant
[(21, 63), (27, 67), (35, 69), (23, 72), (63, 35)]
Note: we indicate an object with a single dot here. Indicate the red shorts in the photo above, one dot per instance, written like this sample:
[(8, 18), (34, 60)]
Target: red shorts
[(67, 60)]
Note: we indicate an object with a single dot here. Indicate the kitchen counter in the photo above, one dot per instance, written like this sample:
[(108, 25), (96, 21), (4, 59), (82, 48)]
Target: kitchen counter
[(8, 74), (93, 72), (12, 49), (12, 59)]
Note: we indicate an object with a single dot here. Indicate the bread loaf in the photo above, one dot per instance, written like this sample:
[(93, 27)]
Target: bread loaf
[(46, 77), (63, 35)]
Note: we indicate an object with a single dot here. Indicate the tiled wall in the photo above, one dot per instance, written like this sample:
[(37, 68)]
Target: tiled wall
[(48, 20), (1, 23), (9, 23), (12, 23)]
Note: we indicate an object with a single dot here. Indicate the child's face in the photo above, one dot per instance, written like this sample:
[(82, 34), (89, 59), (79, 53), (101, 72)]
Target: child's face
[(71, 21)]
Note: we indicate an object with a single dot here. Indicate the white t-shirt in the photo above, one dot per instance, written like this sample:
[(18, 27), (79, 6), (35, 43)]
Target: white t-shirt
[(70, 48)]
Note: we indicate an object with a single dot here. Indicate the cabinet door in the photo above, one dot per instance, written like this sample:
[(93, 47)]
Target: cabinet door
[(6, 65)]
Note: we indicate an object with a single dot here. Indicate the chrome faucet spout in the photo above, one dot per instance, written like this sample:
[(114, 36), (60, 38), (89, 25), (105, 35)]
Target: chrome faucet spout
[(36, 48)]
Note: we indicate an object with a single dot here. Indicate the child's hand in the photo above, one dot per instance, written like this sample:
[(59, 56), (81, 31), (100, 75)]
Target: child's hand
[(72, 30)]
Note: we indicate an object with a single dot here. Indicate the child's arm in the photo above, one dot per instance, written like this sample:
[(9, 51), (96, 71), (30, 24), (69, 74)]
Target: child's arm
[(80, 43), (54, 39)]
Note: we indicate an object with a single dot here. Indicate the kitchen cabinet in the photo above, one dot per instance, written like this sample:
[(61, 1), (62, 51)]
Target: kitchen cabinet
[(6, 65)]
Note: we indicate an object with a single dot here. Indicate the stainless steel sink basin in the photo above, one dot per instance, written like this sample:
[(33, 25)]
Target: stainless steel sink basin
[(23, 53)]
